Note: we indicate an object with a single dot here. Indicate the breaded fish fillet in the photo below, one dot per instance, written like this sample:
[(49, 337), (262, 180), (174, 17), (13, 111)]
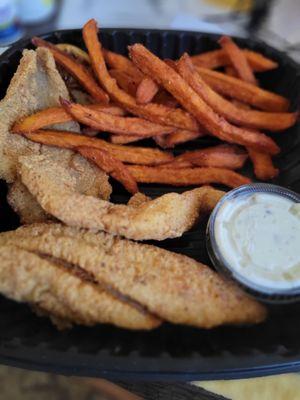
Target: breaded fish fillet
[(28, 277), (174, 287), (137, 199), (25, 205), (167, 216), (37, 85)]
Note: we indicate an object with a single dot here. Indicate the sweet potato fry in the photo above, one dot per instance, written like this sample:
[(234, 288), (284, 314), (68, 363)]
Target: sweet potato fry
[(113, 124), (75, 51), (124, 139), (164, 98), (161, 141), (146, 90), (230, 71), (70, 140), (237, 89), (221, 156), (248, 118), (240, 105), (108, 108), (238, 60), (263, 165), (218, 58), (177, 164), (182, 136), (111, 165), (127, 82), (170, 63), (122, 63), (165, 142), (112, 109), (49, 116), (187, 176), (188, 98), (178, 137), (77, 70), (153, 112), (57, 115), (262, 162)]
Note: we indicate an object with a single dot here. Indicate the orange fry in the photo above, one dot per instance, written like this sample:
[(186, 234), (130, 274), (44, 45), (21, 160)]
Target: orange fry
[(112, 123), (157, 113), (165, 99), (128, 83), (112, 166), (238, 60), (177, 164), (77, 70), (187, 176), (218, 58), (263, 165), (122, 63), (240, 105), (108, 108), (245, 92), (146, 90), (128, 154), (166, 142), (178, 137), (221, 156), (262, 162), (230, 71), (249, 118), (188, 98), (161, 141), (57, 115), (124, 139)]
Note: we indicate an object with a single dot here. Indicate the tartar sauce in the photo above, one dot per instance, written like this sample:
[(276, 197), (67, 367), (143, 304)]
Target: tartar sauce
[(258, 235)]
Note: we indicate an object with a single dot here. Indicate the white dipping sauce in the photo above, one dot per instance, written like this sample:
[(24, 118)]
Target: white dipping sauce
[(259, 237)]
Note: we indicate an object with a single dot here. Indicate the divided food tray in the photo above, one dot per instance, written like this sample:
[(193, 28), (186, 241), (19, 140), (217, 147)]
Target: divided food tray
[(170, 352)]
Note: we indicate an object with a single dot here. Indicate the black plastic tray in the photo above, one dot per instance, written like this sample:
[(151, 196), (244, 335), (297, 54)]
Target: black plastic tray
[(170, 352)]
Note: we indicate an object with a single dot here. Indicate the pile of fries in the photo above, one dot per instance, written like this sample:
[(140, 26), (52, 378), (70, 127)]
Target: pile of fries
[(170, 101)]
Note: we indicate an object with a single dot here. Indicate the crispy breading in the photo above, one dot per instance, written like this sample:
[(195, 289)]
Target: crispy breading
[(37, 85), (137, 199), (172, 286), (167, 216), (29, 277)]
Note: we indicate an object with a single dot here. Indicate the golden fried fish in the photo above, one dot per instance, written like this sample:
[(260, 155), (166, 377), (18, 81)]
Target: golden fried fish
[(171, 286)]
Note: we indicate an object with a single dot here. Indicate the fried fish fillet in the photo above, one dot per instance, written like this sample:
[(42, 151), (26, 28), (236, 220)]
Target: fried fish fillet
[(137, 199), (29, 277), (25, 205), (167, 216), (174, 287), (37, 85)]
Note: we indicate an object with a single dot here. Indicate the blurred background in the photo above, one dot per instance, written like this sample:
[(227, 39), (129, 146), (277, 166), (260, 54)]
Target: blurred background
[(274, 21)]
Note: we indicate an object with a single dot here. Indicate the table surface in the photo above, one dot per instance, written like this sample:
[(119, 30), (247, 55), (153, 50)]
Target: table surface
[(29, 385)]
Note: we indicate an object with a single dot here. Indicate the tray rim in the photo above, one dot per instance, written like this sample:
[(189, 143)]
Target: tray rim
[(41, 364), (280, 53), (11, 356)]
